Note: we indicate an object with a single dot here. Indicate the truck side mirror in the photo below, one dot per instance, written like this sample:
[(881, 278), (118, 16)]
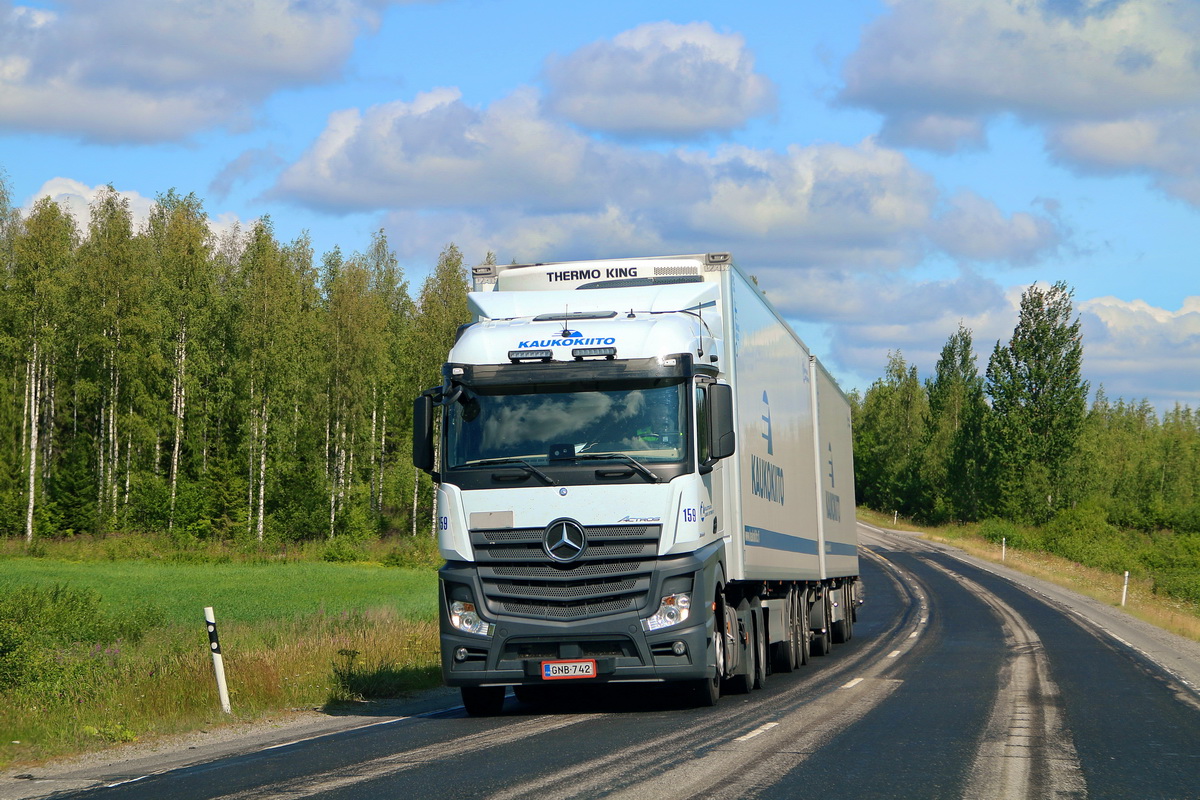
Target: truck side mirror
[(721, 434), (422, 434)]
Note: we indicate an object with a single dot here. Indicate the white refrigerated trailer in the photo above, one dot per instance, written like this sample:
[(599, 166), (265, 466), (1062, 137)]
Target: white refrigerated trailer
[(643, 475)]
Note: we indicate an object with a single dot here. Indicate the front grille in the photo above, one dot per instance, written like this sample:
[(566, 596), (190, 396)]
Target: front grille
[(612, 576)]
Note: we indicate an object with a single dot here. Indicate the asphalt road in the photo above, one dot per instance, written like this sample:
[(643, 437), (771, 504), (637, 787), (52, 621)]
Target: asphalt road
[(962, 681)]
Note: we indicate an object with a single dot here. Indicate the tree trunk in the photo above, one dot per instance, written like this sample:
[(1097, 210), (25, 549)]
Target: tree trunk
[(250, 462), (262, 467), (180, 400), (371, 452), (416, 486), (382, 454), (32, 386)]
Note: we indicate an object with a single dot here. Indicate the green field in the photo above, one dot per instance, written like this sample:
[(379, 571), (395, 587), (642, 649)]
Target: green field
[(98, 652), (237, 592)]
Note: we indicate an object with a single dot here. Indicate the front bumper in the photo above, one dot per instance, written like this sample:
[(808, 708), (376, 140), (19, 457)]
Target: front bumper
[(622, 650)]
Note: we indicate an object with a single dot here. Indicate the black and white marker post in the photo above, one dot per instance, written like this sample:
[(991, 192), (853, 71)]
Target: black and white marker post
[(214, 644)]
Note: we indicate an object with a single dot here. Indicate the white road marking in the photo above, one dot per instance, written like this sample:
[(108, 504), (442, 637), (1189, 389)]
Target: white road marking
[(756, 732)]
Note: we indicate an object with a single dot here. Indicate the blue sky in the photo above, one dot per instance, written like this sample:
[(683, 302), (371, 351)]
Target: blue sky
[(886, 169)]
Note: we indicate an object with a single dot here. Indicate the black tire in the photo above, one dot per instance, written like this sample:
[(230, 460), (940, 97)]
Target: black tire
[(742, 682), (849, 600), (483, 701), (839, 631), (708, 690), (785, 653), (804, 644), (762, 666), (821, 644)]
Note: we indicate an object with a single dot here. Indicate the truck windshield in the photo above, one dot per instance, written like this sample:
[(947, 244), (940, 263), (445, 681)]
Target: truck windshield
[(544, 424)]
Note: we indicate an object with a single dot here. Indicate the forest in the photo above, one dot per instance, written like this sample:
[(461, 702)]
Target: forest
[(159, 378), (1018, 449)]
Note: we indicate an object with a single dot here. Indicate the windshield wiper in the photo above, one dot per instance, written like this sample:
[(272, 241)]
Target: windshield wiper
[(492, 462), (633, 462)]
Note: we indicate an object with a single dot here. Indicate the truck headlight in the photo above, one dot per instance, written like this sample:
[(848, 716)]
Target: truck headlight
[(674, 609), (464, 617)]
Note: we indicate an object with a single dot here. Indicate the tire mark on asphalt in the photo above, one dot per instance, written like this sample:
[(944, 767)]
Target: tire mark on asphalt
[(315, 785), (1026, 749)]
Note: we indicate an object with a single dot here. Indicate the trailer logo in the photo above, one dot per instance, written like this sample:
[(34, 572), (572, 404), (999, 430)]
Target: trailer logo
[(767, 419), (564, 540), (766, 478)]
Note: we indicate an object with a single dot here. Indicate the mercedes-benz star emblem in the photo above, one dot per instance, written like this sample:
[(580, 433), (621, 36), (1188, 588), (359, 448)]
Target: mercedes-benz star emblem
[(564, 540)]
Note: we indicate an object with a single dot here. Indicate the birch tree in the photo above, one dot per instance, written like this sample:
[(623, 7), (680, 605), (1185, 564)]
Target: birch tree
[(271, 332), (441, 309), (11, 371), (111, 334), (42, 253), (355, 325), (181, 240)]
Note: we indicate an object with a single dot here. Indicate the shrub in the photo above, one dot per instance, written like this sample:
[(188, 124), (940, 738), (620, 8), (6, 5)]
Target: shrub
[(342, 551), (1083, 534), (1181, 584), (44, 633), (996, 530), (414, 552)]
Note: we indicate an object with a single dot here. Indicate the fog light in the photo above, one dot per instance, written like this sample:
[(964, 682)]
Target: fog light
[(460, 654), (678, 648)]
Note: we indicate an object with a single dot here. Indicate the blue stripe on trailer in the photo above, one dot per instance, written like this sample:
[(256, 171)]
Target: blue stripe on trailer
[(774, 540)]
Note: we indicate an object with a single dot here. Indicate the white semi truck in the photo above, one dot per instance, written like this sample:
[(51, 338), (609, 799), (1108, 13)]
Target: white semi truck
[(642, 475)]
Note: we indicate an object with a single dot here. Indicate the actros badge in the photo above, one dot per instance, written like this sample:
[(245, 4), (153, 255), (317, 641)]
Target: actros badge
[(564, 540)]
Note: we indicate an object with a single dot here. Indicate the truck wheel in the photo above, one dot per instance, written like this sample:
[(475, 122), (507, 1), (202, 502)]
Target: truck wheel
[(843, 629), (708, 690), (742, 681), (483, 701), (848, 592), (784, 652), (821, 644), (804, 642), (761, 665)]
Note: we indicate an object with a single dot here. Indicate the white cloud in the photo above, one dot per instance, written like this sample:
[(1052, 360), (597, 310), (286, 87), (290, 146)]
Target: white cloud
[(530, 179), (142, 70), (973, 228), (1132, 349), (76, 198), (437, 152), (1163, 145), (1116, 83), (972, 57), (660, 80), (1141, 351)]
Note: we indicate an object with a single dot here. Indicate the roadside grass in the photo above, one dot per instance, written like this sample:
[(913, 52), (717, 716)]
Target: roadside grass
[(1172, 614), (237, 592), (294, 635)]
